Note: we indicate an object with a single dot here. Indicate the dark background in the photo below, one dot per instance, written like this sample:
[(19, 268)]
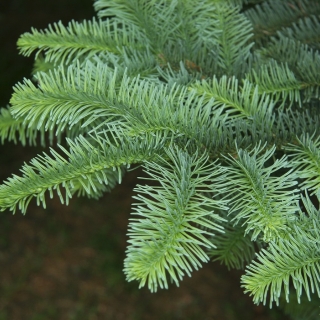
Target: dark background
[(65, 262)]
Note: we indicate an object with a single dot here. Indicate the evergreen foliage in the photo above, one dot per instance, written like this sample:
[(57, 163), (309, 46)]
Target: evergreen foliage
[(218, 101)]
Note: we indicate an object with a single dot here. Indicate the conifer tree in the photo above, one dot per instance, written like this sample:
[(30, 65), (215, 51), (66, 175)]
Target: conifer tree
[(218, 101)]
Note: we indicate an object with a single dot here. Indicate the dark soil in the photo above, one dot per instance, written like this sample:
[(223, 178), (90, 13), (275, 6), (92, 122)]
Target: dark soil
[(65, 262)]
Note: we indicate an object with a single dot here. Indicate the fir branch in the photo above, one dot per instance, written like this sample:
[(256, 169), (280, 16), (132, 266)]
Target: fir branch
[(86, 164), (278, 81), (303, 61), (174, 86), (63, 44), (272, 16), (235, 100), (305, 159), (41, 65), (235, 40), (266, 203), (11, 127), (65, 98), (306, 31), (299, 262), (167, 240), (296, 259), (233, 248), (80, 96), (141, 17)]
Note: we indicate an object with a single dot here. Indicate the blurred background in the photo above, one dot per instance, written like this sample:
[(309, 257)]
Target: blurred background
[(65, 262)]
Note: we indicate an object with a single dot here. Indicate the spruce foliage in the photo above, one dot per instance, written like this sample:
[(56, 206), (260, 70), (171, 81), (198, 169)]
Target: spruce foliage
[(218, 101)]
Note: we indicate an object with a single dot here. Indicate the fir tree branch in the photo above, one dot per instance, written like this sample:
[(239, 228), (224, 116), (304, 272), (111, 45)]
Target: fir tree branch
[(295, 259), (102, 162), (11, 127), (271, 16), (306, 31), (278, 81), (139, 15), (235, 100), (233, 248), (64, 44), (266, 203), (302, 60), (177, 85), (305, 159), (167, 240), (65, 98), (235, 39)]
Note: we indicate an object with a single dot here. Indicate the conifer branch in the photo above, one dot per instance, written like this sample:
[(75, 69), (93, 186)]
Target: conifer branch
[(166, 241), (265, 203), (64, 98), (63, 44), (295, 259), (177, 86), (271, 16), (237, 101), (305, 158), (231, 22), (10, 127), (306, 30), (86, 164), (278, 81), (301, 59), (233, 248)]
